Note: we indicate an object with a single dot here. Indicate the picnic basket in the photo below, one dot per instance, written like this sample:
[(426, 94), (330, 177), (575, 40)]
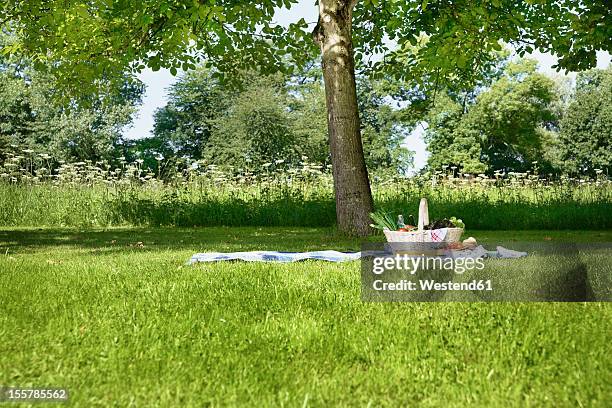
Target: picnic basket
[(426, 238)]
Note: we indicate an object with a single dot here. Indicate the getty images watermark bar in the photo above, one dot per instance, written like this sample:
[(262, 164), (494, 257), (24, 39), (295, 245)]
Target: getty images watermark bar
[(541, 272)]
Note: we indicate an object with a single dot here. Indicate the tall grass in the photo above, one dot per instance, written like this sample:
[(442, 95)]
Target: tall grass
[(87, 194)]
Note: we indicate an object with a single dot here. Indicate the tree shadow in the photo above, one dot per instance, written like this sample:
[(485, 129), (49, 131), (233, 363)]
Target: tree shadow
[(218, 239)]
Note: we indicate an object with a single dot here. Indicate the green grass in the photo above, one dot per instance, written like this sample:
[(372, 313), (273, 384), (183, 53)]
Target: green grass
[(117, 318), (279, 202)]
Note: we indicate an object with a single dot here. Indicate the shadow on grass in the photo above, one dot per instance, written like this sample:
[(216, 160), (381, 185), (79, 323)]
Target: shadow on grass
[(486, 215), (119, 240), (172, 211), (230, 239)]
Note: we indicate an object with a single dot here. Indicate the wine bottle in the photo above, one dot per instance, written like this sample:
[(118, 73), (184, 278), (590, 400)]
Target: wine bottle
[(400, 221)]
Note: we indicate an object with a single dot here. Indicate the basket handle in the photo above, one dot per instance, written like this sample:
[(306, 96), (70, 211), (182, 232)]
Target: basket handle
[(423, 214)]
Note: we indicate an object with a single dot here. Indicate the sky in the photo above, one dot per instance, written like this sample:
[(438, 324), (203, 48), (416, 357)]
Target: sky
[(158, 82)]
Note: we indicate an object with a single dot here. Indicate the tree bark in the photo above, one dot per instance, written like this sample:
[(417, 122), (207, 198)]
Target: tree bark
[(351, 183)]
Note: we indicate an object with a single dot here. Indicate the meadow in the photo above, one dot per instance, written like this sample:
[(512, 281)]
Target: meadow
[(115, 316), (98, 195), (95, 295)]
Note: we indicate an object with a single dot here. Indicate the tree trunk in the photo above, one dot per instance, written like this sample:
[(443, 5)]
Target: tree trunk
[(351, 184)]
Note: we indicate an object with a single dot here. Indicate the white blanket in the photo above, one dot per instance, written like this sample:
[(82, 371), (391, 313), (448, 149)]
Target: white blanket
[(335, 256)]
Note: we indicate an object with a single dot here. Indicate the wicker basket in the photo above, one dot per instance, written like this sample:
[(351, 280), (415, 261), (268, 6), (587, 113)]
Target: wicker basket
[(421, 239)]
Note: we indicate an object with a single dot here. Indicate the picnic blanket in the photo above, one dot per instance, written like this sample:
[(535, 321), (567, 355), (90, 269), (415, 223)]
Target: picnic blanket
[(335, 256)]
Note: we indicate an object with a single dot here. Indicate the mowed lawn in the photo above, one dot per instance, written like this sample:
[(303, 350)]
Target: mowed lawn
[(117, 318)]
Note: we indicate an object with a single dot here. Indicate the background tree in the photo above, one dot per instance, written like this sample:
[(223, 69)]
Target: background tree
[(309, 116), (449, 141), (504, 129), (186, 122), (272, 118), (255, 129), (205, 119), (586, 129), (88, 39), (383, 128), (156, 153), (16, 114), (88, 128)]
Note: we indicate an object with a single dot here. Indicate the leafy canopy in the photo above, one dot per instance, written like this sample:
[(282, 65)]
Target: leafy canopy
[(428, 42)]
